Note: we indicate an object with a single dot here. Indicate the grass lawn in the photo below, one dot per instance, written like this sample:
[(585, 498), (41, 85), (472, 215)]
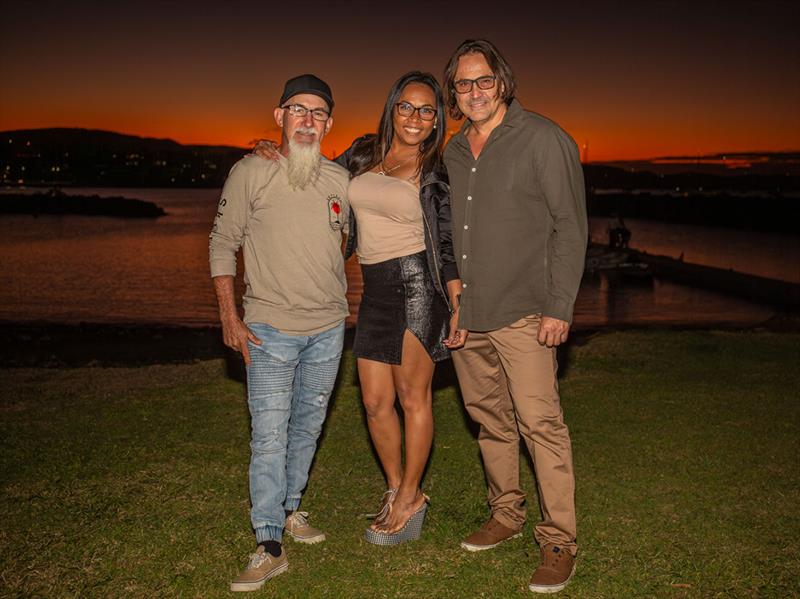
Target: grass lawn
[(132, 482)]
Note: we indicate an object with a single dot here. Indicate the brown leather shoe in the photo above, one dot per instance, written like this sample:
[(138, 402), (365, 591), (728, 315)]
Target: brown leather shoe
[(489, 535), (555, 569)]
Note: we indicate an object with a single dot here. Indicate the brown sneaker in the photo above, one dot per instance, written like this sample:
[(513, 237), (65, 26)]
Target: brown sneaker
[(262, 567), (554, 571), (297, 527), (489, 535)]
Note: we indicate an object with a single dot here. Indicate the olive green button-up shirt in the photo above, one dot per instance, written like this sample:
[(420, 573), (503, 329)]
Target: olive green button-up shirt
[(519, 221)]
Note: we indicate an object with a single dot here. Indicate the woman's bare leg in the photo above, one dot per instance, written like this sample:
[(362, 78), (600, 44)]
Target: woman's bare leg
[(412, 380), (378, 396)]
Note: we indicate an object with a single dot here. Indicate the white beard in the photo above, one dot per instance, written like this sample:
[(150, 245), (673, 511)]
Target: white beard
[(305, 162)]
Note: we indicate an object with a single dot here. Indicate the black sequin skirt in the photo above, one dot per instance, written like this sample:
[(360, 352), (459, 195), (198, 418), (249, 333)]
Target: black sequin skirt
[(399, 295)]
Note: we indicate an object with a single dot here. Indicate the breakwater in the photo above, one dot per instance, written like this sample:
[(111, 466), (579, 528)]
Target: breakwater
[(60, 204), (773, 292)]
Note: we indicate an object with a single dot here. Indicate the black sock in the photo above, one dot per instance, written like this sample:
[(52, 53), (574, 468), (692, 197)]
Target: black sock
[(271, 547)]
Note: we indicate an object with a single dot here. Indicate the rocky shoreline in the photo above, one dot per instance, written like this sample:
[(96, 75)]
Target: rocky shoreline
[(58, 203)]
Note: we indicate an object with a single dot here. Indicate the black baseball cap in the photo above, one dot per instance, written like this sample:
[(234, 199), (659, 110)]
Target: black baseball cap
[(307, 84)]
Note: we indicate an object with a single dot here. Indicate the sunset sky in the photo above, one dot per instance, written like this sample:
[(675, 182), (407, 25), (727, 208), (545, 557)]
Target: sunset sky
[(631, 79)]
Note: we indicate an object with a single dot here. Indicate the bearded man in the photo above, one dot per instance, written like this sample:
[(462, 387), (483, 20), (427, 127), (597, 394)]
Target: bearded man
[(288, 215)]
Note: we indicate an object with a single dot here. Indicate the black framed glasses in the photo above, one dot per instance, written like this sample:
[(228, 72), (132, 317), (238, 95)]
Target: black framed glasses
[(464, 86), (426, 113), (300, 111)]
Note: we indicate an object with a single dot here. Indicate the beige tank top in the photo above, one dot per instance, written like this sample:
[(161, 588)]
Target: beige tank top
[(389, 217)]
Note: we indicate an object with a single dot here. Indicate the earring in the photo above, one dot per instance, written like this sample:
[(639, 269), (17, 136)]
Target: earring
[(434, 125)]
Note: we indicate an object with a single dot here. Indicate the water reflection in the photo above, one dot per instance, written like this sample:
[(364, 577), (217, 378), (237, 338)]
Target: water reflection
[(771, 255), (72, 269)]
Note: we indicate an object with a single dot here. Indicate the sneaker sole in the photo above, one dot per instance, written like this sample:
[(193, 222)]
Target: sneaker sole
[(553, 588), (307, 540), (474, 548), (238, 587)]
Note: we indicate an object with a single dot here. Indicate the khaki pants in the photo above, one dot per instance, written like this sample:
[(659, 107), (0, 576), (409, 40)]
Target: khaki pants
[(510, 389)]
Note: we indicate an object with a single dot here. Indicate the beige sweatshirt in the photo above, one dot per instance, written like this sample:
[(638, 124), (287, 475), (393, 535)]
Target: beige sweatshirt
[(291, 240)]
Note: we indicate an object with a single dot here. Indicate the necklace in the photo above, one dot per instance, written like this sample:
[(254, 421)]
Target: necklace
[(385, 171)]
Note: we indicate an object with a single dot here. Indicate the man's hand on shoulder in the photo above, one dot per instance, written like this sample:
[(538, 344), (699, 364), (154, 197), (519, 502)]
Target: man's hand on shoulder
[(236, 334), (266, 149), (552, 331)]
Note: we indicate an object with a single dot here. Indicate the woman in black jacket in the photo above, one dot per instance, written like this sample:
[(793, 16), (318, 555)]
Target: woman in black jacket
[(408, 316)]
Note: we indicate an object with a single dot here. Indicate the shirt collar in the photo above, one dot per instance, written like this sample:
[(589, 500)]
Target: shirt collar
[(511, 118), (513, 115)]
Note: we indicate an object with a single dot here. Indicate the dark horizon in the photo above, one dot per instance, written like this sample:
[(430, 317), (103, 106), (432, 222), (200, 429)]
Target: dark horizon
[(737, 161)]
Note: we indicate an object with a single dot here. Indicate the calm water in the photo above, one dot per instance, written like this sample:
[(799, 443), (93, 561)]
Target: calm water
[(94, 269)]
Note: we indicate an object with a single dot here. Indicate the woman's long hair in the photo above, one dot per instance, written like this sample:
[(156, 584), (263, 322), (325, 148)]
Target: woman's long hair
[(371, 150)]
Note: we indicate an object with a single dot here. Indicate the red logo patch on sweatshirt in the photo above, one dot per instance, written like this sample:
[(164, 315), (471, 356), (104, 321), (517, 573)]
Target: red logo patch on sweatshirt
[(335, 217)]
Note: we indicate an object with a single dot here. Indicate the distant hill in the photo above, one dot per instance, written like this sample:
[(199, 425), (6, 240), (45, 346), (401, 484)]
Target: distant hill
[(678, 182), (94, 158), (732, 164)]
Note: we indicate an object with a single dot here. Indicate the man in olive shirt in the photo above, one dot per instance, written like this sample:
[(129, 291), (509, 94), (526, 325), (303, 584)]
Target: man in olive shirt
[(288, 217), (519, 234)]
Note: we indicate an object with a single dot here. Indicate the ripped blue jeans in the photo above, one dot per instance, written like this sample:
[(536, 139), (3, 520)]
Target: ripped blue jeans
[(289, 381)]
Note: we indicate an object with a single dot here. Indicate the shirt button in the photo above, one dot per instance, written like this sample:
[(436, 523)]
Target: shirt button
[(469, 197), (464, 256), (466, 226), (474, 169)]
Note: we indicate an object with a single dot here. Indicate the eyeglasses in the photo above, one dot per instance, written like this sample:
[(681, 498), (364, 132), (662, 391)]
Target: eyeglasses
[(300, 111), (426, 113), (463, 86)]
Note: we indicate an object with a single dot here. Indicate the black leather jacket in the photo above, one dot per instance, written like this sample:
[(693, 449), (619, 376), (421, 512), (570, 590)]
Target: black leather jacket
[(434, 195)]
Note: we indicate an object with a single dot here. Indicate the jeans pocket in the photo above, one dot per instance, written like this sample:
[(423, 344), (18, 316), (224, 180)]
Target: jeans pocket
[(275, 345)]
